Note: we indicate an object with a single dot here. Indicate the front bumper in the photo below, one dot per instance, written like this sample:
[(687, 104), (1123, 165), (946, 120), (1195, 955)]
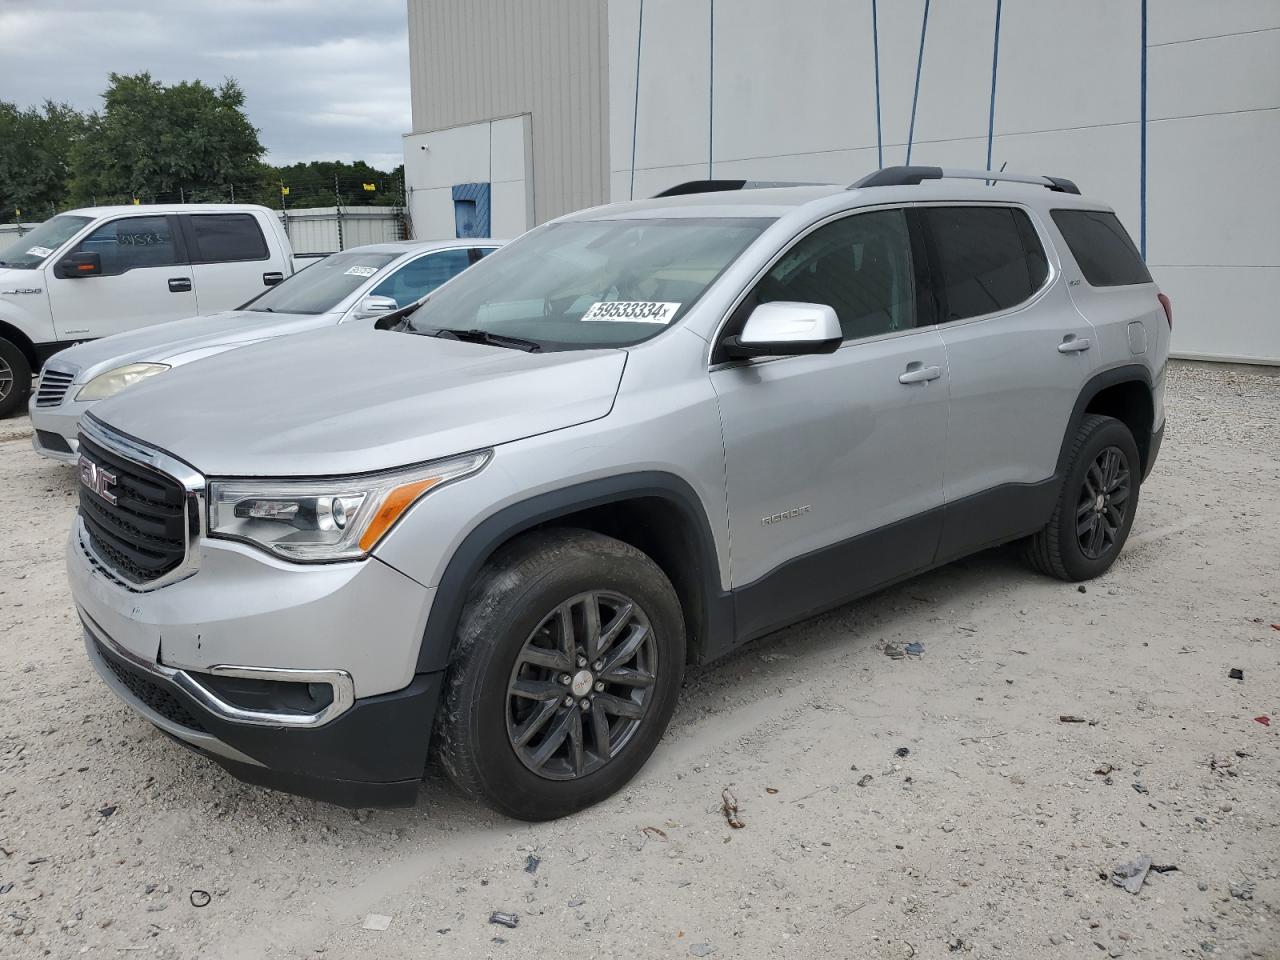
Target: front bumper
[(55, 430)]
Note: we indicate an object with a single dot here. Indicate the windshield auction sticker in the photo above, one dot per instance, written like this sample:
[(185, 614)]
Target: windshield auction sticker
[(38, 251), (359, 271), (631, 311)]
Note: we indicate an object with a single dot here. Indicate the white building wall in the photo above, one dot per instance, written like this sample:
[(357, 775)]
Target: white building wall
[(795, 97)]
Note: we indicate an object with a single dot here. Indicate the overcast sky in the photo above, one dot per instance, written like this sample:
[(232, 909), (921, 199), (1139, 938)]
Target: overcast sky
[(323, 79)]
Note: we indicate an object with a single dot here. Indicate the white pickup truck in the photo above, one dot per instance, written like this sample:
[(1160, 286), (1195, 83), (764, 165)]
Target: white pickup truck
[(97, 271)]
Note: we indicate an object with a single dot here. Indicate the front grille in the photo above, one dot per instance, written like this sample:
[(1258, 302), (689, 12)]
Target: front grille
[(142, 536), (152, 693), (52, 387)]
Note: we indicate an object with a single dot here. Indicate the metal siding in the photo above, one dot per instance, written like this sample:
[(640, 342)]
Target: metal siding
[(476, 60)]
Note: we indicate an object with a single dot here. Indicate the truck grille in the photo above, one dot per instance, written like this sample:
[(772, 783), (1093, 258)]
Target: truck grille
[(152, 694), (142, 535), (53, 387)]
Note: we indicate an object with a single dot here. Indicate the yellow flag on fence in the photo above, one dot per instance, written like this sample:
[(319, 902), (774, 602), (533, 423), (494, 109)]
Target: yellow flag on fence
[(284, 191), (137, 202), (369, 187)]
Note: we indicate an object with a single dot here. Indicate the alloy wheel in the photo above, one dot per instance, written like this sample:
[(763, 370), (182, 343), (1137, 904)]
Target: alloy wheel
[(581, 685), (6, 378), (1104, 500)]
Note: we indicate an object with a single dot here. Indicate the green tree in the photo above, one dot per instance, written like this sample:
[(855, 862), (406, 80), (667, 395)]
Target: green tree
[(154, 141), (313, 184), (35, 151)]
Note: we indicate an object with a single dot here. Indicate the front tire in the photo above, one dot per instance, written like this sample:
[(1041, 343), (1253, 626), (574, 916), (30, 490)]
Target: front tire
[(569, 659), (1096, 504), (15, 378)]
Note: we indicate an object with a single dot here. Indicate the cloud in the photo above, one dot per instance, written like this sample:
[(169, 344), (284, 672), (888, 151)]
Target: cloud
[(323, 80)]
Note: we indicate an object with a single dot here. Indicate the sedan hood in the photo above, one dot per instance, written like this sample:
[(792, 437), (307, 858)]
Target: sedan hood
[(181, 341), (354, 400)]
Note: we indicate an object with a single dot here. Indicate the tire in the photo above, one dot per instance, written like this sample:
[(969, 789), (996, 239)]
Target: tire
[(490, 740), (15, 378), (1085, 535)]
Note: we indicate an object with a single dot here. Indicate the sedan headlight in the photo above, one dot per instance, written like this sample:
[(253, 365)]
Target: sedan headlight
[(113, 381), (316, 520)]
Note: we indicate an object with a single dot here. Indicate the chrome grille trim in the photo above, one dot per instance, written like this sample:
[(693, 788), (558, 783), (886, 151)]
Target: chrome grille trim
[(53, 385)]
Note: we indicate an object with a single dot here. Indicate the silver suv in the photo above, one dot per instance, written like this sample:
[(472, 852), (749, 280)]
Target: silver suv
[(500, 525)]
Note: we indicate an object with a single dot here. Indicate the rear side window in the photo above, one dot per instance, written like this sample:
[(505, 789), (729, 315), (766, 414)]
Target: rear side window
[(1102, 247), (226, 238), (988, 259)]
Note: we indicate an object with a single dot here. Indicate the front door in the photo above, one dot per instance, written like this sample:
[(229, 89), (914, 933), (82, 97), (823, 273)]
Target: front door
[(834, 462), (145, 279)]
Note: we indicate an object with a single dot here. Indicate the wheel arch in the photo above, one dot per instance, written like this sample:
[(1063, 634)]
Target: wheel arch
[(1122, 392), (656, 512), (20, 340)]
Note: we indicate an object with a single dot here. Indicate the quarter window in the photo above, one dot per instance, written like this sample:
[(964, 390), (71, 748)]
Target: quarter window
[(860, 266), (989, 259), (132, 242), (1102, 248), (227, 238)]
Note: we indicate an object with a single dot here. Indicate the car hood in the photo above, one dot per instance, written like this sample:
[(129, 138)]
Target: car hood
[(353, 400), (181, 341)]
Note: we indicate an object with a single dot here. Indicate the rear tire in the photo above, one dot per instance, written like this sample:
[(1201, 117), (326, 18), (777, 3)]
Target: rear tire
[(15, 378), (1096, 504), (537, 720)]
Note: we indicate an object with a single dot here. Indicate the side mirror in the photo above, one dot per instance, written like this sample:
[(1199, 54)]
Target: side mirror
[(785, 329), (80, 265), (375, 306)]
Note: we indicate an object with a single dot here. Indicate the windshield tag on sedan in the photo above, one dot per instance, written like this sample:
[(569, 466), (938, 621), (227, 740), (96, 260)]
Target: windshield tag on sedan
[(359, 271), (631, 311), (38, 251)]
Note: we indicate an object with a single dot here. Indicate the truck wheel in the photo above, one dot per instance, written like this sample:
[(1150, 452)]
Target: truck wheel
[(1095, 507), (569, 658), (15, 378)]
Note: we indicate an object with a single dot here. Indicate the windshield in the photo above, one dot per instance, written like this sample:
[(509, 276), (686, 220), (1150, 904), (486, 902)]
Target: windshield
[(321, 287), (32, 249), (600, 283)]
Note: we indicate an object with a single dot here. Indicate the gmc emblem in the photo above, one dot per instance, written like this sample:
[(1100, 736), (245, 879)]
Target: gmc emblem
[(97, 479)]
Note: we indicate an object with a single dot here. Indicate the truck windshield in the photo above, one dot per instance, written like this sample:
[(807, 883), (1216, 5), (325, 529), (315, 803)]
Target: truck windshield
[(322, 286), (32, 249), (594, 283)]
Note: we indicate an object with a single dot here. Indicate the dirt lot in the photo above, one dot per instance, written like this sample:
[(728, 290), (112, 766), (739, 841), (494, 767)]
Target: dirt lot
[(986, 838)]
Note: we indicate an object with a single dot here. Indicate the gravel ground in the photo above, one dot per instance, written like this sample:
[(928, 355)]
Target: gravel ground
[(989, 836)]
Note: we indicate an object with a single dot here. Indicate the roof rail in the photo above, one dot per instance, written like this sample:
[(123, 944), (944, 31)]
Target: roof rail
[(716, 186), (912, 176)]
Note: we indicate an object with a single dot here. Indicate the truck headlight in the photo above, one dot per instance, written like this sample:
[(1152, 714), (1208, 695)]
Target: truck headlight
[(113, 381), (316, 520)]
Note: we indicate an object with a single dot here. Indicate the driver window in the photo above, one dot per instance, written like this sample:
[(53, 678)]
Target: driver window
[(860, 266), (419, 277), (130, 243)]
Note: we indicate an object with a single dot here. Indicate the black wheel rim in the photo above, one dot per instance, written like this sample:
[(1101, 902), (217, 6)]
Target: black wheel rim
[(581, 685), (1103, 503)]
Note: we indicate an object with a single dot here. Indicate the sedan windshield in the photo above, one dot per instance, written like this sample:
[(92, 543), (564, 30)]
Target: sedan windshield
[(321, 287), (582, 284), (32, 249)]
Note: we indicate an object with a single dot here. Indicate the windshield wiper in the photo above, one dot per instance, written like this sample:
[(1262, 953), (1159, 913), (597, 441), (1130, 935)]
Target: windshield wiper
[(493, 339)]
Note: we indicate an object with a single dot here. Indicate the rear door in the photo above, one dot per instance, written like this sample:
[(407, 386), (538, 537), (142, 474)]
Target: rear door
[(834, 472), (145, 279), (231, 259), (1018, 353)]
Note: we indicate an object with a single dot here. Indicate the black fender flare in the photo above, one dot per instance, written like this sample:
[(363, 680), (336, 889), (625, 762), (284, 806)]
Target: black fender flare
[(1100, 381), (478, 546)]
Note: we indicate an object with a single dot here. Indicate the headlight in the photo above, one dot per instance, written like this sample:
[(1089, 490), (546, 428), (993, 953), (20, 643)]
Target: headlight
[(326, 519), (113, 381)]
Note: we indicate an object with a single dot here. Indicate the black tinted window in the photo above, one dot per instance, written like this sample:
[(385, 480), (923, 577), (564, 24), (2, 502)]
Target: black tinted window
[(130, 243), (1102, 247), (989, 259), (859, 266), (227, 237)]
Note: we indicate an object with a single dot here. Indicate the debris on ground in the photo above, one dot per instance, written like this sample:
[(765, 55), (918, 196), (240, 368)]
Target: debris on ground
[(1131, 875), (1264, 720), (729, 807), (1164, 868), (6, 887), (654, 832), (1104, 769), (866, 779), (893, 651), (200, 898), (901, 752), (1082, 588), (504, 919), (576, 902), (1242, 891), (1235, 673), (376, 921), (771, 790), (1071, 718), (105, 812), (915, 649), (701, 949), (531, 863), (1224, 766), (1139, 787)]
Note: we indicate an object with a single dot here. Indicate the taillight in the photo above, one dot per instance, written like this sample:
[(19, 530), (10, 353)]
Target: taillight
[(1168, 308)]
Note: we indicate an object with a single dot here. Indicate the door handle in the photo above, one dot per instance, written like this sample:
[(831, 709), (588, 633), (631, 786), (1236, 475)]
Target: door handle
[(1073, 344), (271, 279), (179, 284), (915, 373)]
